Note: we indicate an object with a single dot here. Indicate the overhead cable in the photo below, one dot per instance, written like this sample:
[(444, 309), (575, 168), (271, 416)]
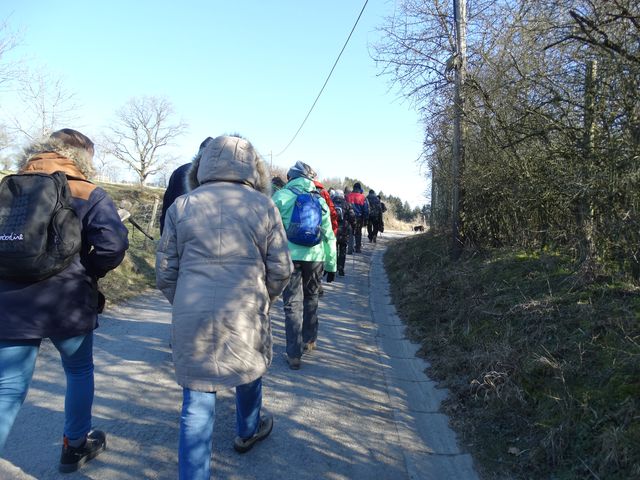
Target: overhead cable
[(326, 81)]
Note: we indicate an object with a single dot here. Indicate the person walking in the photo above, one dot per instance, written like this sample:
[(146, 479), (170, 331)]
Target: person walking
[(375, 216), (327, 198), (383, 209), (300, 297), (65, 306), (361, 207), (221, 262), (177, 186), (346, 224)]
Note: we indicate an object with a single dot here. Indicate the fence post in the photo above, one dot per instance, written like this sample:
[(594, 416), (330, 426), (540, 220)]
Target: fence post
[(152, 220)]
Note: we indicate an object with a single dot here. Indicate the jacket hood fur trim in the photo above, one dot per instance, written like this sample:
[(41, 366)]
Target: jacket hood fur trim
[(82, 159), (229, 159)]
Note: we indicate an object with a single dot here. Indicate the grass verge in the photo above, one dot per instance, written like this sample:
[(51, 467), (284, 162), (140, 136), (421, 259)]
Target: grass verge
[(543, 367), (136, 273)]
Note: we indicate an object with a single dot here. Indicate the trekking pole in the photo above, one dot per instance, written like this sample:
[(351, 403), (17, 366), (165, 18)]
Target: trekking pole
[(126, 215), (135, 224)]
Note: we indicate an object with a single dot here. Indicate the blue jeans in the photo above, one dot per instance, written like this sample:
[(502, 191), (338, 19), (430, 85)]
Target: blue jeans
[(196, 426), (300, 298), (17, 363)]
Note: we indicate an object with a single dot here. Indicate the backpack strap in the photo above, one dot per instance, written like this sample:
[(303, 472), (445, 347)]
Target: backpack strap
[(296, 190)]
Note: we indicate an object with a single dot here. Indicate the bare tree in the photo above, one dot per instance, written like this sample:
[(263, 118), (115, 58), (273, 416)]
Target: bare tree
[(47, 105), (8, 73), (105, 169), (143, 128), (8, 41)]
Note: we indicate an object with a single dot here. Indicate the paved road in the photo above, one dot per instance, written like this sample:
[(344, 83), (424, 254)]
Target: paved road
[(359, 408)]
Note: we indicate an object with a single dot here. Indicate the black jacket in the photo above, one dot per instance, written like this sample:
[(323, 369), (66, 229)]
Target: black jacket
[(177, 186)]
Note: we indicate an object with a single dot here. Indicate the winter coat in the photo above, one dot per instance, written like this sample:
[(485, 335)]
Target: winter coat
[(221, 261), (325, 251), (332, 211), (360, 205), (66, 304)]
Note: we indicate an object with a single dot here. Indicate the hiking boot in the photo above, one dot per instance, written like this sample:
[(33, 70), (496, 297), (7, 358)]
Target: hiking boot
[(358, 250), (294, 363), (264, 429), (341, 272), (73, 458), (309, 347)]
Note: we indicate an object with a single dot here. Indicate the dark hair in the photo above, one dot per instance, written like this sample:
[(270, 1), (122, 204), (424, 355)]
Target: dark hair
[(277, 182), (73, 138)]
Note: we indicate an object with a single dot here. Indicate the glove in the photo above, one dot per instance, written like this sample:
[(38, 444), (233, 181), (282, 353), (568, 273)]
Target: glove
[(331, 276)]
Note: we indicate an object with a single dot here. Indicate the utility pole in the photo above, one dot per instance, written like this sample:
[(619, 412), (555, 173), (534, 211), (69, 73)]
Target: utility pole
[(457, 165), (434, 200), (585, 217)]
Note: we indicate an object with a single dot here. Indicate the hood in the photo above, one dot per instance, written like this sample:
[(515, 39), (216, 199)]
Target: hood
[(302, 183), (229, 159), (80, 158)]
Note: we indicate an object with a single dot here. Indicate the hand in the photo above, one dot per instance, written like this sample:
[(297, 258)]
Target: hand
[(331, 276)]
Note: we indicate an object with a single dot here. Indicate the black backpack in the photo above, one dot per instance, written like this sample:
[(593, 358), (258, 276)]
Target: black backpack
[(374, 208), (40, 232), (346, 217)]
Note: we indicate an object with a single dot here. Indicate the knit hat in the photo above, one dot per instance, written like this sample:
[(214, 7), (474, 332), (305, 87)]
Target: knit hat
[(337, 193), (301, 169)]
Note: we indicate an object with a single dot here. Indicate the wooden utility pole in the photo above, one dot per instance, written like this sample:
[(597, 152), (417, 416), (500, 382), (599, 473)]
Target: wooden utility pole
[(434, 199), (457, 165), (585, 217)]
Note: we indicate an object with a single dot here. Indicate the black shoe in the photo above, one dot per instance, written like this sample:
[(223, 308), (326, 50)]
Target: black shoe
[(73, 458), (341, 272), (294, 363), (358, 250)]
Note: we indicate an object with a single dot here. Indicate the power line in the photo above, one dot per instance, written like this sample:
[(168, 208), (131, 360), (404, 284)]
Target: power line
[(326, 81)]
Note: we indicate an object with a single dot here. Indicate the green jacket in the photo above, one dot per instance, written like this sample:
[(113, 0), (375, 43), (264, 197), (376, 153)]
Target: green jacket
[(325, 251)]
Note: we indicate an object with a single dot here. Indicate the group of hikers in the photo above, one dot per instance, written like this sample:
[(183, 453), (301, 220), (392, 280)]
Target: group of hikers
[(349, 211), (234, 239)]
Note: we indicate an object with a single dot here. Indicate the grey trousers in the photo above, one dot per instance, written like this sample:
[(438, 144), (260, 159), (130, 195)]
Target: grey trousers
[(300, 299)]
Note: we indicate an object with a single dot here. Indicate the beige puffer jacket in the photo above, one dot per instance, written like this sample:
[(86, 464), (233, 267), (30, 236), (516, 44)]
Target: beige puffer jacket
[(222, 259)]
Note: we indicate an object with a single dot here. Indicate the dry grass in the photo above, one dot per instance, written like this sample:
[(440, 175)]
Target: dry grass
[(543, 367)]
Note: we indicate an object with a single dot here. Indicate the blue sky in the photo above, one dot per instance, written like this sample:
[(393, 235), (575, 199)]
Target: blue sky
[(248, 66)]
